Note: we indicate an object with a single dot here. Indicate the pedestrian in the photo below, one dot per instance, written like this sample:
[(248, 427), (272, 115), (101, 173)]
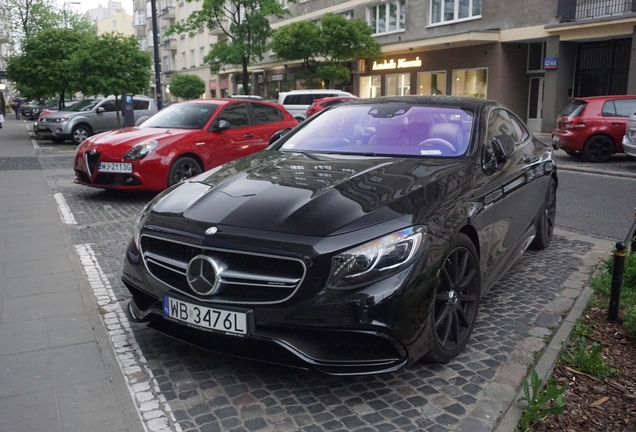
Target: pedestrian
[(3, 109), (15, 106)]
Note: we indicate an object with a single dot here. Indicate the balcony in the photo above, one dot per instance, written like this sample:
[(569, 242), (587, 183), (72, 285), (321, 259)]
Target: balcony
[(216, 29), (168, 13), (583, 10), (170, 44)]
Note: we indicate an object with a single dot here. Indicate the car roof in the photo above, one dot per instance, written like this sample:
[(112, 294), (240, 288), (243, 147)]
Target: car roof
[(451, 101), (333, 98), (226, 101), (609, 97)]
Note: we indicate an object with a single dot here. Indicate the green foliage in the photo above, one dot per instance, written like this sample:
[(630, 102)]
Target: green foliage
[(586, 358), (540, 403), (186, 86), (326, 48), (112, 63), (245, 25), (629, 321)]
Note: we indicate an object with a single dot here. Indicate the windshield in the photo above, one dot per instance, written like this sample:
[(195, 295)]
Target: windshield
[(574, 108), (85, 105), (396, 129), (185, 115)]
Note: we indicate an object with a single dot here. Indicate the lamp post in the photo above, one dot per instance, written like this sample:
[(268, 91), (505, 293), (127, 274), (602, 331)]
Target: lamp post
[(155, 45), (64, 10)]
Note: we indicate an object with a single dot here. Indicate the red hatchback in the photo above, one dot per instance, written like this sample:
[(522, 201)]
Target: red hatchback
[(593, 126), (321, 104), (178, 142)]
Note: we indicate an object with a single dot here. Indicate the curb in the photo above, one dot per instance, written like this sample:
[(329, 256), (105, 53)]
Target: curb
[(544, 366), (595, 171)]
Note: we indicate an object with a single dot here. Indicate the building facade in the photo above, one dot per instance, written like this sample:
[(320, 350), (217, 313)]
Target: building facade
[(112, 18)]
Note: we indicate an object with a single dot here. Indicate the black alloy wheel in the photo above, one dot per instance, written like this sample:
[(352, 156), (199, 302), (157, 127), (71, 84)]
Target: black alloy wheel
[(598, 148), (456, 302), (545, 224), (182, 169)]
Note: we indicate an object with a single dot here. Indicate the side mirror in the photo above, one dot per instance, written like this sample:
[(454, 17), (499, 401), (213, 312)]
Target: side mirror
[(141, 120), (221, 125), (503, 146), (101, 110), (277, 135)]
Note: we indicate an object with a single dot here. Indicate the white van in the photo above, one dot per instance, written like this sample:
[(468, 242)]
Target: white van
[(297, 101)]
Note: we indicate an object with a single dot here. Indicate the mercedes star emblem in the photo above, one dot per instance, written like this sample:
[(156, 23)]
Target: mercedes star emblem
[(203, 274)]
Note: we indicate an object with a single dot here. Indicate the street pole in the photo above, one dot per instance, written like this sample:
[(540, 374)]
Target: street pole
[(155, 44)]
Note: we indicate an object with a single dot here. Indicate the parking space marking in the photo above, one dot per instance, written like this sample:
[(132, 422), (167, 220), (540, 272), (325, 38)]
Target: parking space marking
[(35, 144), (65, 211), (152, 407)]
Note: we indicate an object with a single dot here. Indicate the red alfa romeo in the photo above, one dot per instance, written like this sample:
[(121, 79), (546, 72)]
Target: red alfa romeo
[(178, 142)]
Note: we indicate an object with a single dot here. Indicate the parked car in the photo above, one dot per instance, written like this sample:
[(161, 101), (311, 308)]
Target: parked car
[(593, 127), (297, 101), (89, 117), (240, 96), (27, 109), (321, 104), (177, 143), (359, 242), (629, 139), (55, 108)]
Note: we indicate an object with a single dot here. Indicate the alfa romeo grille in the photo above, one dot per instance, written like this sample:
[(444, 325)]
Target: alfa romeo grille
[(246, 278)]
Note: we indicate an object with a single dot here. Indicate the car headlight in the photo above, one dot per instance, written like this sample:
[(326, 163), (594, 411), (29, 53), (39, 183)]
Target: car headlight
[(375, 260), (140, 151), (61, 119), (139, 223)]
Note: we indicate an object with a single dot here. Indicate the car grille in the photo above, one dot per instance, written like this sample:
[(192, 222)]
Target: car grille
[(91, 162), (247, 278)]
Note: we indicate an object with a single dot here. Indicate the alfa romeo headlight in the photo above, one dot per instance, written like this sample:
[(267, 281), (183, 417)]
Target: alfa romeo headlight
[(140, 151), (375, 260)]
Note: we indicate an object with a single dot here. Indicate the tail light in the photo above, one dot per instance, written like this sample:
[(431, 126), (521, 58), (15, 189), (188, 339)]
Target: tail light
[(572, 122)]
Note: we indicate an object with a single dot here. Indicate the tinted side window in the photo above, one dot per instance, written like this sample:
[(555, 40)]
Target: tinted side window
[(140, 104), (520, 129), (499, 123), (109, 106), (235, 114), (266, 114), (298, 99), (625, 107), (609, 109)]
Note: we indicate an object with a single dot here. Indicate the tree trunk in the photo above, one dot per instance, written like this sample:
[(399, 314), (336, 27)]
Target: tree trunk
[(246, 79)]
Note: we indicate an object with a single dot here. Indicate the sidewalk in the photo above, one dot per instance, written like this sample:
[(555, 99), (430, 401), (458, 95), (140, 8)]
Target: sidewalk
[(57, 368)]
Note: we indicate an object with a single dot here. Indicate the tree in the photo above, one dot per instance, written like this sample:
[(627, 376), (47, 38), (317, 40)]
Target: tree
[(326, 48), (245, 26), (112, 63), (186, 86), (45, 66)]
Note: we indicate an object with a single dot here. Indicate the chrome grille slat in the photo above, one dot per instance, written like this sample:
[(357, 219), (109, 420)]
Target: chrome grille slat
[(250, 278)]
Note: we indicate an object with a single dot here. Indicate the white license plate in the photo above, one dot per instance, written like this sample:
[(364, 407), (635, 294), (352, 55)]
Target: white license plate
[(205, 317), (41, 127), (115, 167)]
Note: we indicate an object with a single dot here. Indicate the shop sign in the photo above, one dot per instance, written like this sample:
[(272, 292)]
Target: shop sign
[(400, 64), (277, 77), (223, 83), (550, 63), (213, 84)]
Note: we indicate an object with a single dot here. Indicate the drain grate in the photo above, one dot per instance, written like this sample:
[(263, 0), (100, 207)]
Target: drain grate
[(19, 164)]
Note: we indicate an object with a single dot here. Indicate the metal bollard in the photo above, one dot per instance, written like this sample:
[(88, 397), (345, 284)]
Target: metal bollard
[(617, 281)]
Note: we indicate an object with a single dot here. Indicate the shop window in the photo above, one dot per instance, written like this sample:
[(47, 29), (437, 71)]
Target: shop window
[(444, 11), (370, 86), (470, 82), (536, 53), (431, 83), (398, 84), (387, 17)]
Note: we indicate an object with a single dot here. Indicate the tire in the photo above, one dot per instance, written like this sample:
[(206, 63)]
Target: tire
[(598, 148), (182, 169), (80, 134), (545, 224), (454, 310)]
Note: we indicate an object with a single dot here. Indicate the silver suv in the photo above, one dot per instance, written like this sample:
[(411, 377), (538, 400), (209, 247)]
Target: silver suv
[(629, 139), (89, 117)]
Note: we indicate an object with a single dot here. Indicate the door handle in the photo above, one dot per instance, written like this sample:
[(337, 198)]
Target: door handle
[(248, 136)]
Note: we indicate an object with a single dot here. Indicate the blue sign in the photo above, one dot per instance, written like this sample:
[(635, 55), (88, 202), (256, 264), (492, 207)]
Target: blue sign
[(550, 63), (129, 99)]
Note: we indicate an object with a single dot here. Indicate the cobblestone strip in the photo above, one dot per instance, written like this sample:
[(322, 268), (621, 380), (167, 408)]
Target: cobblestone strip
[(152, 407)]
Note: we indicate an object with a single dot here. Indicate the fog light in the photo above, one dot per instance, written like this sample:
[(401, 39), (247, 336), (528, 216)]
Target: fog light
[(58, 130), (129, 180)]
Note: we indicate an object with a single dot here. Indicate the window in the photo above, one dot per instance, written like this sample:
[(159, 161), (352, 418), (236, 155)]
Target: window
[(619, 107), (184, 63), (193, 60), (387, 17), (140, 104), (500, 123), (283, 3), (443, 11), (165, 64), (109, 106), (398, 84), (536, 53), (202, 55), (370, 86), (266, 114), (431, 83), (114, 23), (143, 43), (470, 82), (139, 17), (235, 114), (347, 15)]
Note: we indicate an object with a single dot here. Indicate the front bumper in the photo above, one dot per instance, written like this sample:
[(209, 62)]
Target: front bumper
[(629, 145), (51, 130)]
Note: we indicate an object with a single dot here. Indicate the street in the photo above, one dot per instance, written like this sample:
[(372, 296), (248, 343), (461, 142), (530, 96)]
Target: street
[(176, 387)]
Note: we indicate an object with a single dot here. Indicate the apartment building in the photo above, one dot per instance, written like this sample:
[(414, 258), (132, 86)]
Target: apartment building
[(6, 48), (177, 53), (112, 18)]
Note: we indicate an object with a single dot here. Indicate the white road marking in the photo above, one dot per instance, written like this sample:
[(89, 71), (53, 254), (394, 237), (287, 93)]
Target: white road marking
[(65, 212), (35, 144), (154, 412)]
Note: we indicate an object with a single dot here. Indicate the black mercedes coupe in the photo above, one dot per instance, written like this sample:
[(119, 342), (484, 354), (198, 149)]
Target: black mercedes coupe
[(358, 242)]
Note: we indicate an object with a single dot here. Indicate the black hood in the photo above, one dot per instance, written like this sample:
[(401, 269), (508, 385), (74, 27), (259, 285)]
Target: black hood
[(313, 194)]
